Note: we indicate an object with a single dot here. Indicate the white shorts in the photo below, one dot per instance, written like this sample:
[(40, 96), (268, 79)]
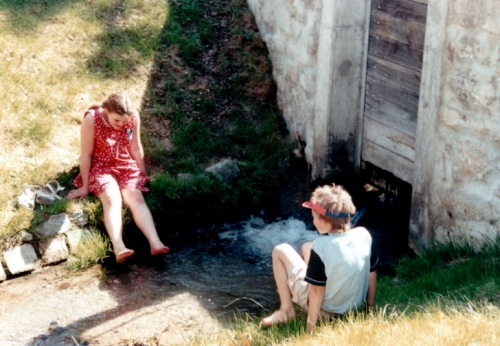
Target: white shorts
[(300, 288), (297, 285)]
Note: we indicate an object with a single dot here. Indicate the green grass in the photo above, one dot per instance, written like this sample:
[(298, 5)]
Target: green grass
[(93, 248), (450, 288), (59, 56), (455, 272), (214, 87), (200, 78)]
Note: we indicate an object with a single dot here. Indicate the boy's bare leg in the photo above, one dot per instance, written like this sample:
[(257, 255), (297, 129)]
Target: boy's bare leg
[(284, 256), (111, 200), (144, 220)]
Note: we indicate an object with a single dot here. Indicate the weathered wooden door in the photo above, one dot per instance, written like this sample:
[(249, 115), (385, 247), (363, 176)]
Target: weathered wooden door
[(395, 52)]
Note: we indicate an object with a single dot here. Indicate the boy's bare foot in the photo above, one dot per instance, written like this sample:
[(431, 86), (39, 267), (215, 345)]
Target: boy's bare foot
[(122, 255), (159, 250), (279, 316)]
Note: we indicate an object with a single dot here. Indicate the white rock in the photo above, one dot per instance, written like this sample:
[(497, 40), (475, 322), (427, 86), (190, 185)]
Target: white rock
[(26, 236), (2, 273), (226, 170), (53, 250), (21, 259), (59, 223)]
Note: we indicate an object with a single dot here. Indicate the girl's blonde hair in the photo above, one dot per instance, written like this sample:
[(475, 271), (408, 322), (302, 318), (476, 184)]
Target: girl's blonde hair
[(337, 200), (119, 103)]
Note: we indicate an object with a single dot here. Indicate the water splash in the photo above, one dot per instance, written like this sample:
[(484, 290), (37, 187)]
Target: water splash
[(260, 238)]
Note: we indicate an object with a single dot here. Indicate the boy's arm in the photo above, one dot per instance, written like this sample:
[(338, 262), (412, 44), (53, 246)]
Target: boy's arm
[(370, 295), (316, 294)]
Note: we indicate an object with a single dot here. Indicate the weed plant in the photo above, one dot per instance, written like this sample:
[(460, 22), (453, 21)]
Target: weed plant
[(93, 248)]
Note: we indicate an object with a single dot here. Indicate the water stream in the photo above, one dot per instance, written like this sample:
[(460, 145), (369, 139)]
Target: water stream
[(232, 272)]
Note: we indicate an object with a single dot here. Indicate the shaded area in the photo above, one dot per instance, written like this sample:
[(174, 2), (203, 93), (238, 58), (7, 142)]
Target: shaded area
[(211, 96), (23, 16)]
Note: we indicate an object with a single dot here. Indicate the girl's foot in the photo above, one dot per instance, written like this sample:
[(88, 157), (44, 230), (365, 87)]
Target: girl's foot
[(279, 316), (159, 249), (122, 255)]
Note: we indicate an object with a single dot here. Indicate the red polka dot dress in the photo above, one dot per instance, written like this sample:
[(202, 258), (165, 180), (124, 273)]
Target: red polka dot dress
[(111, 159)]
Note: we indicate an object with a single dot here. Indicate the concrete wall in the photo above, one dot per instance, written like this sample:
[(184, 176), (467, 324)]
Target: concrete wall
[(456, 187), (318, 50)]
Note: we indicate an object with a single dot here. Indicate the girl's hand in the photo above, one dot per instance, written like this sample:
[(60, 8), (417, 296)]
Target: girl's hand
[(79, 193)]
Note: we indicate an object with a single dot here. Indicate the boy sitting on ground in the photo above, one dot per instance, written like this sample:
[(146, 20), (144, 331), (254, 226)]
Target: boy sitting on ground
[(334, 276)]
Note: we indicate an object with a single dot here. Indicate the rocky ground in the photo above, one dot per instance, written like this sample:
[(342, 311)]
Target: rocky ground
[(135, 307)]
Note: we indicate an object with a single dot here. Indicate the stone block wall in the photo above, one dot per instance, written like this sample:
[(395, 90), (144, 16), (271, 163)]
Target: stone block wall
[(318, 49), (290, 29), (457, 190)]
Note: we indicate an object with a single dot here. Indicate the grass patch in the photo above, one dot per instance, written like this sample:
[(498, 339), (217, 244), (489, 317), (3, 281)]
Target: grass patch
[(93, 248), (213, 88), (198, 72), (450, 295), (58, 57)]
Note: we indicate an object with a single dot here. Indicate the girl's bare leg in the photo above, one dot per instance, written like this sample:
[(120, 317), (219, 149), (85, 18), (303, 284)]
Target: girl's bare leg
[(111, 200), (284, 256), (144, 220)]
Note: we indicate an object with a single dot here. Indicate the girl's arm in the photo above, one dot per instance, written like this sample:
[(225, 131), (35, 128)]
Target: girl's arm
[(136, 150), (316, 294), (87, 132)]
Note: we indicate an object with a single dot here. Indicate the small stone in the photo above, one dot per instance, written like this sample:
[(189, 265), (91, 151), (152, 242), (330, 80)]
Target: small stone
[(2, 273), (59, 223), (74, 237), (226, 170), (26, 236), (53, 250), (21, 259), (79, 218)]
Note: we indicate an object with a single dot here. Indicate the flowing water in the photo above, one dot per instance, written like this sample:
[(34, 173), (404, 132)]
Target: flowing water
[(232, 272)]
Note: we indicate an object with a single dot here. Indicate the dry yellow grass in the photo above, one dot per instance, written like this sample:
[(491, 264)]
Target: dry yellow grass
[(460, 326), (47, 79)]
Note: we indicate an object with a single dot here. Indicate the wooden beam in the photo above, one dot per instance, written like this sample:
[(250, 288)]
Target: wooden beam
[(409, 11), (409, 33), (389, 138), (394, 74), (396, 52), (387, 160), (397, 97), (423, 2), (386, 114)]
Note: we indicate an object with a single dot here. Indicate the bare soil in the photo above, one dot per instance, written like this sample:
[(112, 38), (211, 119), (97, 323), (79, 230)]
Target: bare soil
[(134, 307)]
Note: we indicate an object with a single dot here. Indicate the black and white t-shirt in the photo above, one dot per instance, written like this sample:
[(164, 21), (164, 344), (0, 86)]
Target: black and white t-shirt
[(341, 263)]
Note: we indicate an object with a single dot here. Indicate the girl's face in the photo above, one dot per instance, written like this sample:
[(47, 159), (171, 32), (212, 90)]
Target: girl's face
[(117, 120)]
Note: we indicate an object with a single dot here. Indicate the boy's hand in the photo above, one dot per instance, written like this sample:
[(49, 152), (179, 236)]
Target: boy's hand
[(316, 294), (310, 328), (79, 193)]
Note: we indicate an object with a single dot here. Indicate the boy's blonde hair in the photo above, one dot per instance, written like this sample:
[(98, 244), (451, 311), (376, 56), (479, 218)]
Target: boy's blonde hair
[(119, 103), (336, 199)]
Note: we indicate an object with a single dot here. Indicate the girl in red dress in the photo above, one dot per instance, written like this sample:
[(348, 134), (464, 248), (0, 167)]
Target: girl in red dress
[(112, 167)]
